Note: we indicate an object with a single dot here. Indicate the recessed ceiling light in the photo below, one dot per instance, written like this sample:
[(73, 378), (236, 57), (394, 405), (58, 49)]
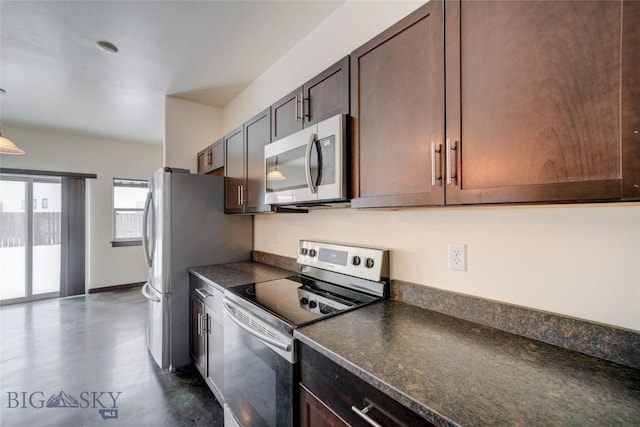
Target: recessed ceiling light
[(106, 47)]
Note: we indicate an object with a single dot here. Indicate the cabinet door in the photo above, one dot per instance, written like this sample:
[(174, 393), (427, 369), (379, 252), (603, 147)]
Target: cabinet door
[(234, 172), (630, 105), (257, 134), (197, 341), (533, 101), (203, 160), (314, 413), (211, 158), (327, 94), (339, 391), (397, 83), (286, 115), (217, 155)]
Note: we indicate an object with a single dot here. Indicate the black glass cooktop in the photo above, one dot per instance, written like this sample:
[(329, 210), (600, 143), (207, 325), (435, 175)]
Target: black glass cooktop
[(298, 299)]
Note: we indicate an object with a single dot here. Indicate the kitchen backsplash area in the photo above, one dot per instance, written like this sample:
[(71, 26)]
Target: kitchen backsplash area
[(611, 343)]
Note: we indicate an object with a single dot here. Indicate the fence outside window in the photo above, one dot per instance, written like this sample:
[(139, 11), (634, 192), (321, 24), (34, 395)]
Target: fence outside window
[(128, 205), (13, 229)]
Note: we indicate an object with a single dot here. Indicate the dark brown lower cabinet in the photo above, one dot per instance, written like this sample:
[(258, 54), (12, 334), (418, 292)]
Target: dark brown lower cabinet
[(206, 331), (314, 413), (332, 396)]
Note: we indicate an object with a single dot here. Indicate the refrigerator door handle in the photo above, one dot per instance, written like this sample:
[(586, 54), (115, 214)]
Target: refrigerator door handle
[(148, 295), (145, 233)]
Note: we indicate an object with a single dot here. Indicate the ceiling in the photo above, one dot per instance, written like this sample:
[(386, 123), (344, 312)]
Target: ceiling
[(203, 51)]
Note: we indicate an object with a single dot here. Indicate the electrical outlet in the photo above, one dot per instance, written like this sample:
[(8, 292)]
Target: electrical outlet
[(457, 257)]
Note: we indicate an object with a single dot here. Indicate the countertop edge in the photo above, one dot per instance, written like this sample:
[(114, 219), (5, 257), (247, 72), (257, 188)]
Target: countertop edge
[(391, 391), (200, 276)]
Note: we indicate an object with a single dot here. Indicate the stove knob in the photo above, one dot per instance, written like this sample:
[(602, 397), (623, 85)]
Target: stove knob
[(312, 253), (313, 304), (304, 300), (304, 251), (369, 263), (356, 260)]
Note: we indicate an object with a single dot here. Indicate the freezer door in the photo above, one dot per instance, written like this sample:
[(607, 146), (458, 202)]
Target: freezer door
[(157, 333)]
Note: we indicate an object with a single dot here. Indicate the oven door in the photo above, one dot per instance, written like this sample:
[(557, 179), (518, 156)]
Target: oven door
[(307, 166), (258, 370)]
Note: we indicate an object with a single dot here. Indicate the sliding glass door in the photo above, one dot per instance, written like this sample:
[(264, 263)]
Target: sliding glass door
[(30, 237)]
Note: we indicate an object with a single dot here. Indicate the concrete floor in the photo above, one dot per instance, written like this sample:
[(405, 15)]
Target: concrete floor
[(78, 353)]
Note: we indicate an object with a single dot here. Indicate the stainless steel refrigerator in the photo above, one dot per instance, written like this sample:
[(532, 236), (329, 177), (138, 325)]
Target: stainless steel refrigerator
[(184, 225)]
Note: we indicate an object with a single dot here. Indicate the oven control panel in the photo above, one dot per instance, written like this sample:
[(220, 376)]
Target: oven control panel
[(318, 304), (364, 262)]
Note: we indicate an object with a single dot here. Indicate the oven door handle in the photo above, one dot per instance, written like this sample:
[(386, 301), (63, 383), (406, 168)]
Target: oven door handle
[(250, 330)]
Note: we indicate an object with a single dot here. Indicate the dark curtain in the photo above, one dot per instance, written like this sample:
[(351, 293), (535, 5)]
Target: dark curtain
[(72, 249)]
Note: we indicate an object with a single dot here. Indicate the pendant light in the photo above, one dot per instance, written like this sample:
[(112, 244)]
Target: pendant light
[(7, 146)]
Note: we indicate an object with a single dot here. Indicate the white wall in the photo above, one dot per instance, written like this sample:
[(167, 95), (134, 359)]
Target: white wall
[(347, 28), (576, 260), (189, 128), (57, 151)]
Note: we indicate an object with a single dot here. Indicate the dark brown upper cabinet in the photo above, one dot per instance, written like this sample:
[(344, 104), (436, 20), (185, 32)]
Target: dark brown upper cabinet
[(257, 134), (542, 101), (234, 171), (397, 111), (244, 165), (211, 159), (541, 106), (324, 96)]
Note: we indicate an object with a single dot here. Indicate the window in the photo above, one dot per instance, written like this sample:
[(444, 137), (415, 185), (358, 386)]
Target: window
[(129, 196)]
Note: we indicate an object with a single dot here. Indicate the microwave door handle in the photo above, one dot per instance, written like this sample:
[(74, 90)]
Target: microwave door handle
[(307, 164)]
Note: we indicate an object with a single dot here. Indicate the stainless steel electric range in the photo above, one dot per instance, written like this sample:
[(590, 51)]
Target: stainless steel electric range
[(259, 353)]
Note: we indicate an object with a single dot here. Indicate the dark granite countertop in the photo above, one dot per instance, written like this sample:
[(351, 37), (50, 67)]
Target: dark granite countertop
[(458, 373), (238, 273)]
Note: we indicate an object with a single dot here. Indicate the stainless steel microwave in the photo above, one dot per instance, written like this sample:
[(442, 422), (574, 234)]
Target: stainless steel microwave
[(308, 168)]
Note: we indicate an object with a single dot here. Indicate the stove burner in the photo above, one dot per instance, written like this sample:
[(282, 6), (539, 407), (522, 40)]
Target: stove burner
[(251, 290), (290, 305)]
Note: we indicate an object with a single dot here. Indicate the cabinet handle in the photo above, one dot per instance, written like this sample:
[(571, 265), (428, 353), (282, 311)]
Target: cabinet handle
[(306, 112), (451, 160), (362, 413), (209, 158), (203, 294), (199, 325), (436, 151), (239, 196), (296, 113), (242, 194), (205, 324), (301, 116)]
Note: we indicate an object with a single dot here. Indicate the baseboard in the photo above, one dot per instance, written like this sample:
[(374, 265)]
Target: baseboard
[(116, 287)]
